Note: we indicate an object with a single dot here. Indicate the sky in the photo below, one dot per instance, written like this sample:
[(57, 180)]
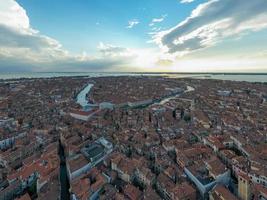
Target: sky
[(133, 36)]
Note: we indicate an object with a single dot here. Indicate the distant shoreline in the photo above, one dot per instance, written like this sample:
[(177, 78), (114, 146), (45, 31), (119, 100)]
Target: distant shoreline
[(22, 76), (212, 73)]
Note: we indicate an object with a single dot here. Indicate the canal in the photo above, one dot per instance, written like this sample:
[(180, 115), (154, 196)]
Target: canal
[(64, 181), (82, 97)]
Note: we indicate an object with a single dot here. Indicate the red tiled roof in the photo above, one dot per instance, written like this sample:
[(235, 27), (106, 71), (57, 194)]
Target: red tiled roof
[(132, 192), (223, 192)]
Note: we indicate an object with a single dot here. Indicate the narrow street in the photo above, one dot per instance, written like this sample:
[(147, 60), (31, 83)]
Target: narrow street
[(64, 182)]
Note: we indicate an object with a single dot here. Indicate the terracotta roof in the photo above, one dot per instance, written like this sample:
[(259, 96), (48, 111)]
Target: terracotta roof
[(80, 187), (45, 165), (221, 192), (216, 167), (132, 192), (76, 163), (261, 189), (119, 196), (100, 181), (24, 197), (184, 191), (165, 181), (150, 194), (81, 112)]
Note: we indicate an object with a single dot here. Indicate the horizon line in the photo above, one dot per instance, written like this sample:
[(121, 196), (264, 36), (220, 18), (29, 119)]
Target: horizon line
[(125, 72)]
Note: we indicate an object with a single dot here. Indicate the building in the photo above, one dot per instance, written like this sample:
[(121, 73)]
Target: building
[(12, 191), (171, 191), (260, 192), (77, 165), (244, 187), (8, 142), (93, 152), (144, 176), (214, 143), (24, 197), (149, 194), (204, 180), (123, 166), (39, 171), (224, 93), (132, 193), (88, 185), (183, 191), (220, 192), (91, 155), (82, 115), (164, 186)]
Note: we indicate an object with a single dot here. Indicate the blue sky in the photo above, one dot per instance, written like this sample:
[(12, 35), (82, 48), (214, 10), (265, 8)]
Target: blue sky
[(133, 35), (81, 24)]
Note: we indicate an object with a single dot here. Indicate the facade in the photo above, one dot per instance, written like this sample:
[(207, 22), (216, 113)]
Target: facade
[(145, 176), (9, 142), (77, 166), (244, 187), (12, 191), (204, 188), (81, 116)]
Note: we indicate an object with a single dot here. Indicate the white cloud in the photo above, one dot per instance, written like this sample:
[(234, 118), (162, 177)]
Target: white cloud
[(13, 15), (211, 22), (157, 20), (17, 37), (115, 51), (140, 59), (23, 48), (132, 23), (186, 1)]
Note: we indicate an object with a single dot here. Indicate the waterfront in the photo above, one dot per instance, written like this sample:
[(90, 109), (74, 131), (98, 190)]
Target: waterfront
[(223, 76)]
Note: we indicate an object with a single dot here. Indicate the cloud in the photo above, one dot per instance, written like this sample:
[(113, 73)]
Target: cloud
[(164, 62), (13, 15), (20, 43), (32, 61), (139, 59), (186, 1), (211, 22), (157, 20), (11, 37), (15, 30), (23, 48), (132, 23), (114, 51)]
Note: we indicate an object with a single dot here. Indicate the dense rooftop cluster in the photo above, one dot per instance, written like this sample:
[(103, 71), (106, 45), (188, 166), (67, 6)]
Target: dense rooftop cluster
[(122, 89), (195, 139)]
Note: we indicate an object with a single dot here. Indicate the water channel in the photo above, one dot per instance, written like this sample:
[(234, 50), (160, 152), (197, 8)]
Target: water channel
[(82, 98)]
